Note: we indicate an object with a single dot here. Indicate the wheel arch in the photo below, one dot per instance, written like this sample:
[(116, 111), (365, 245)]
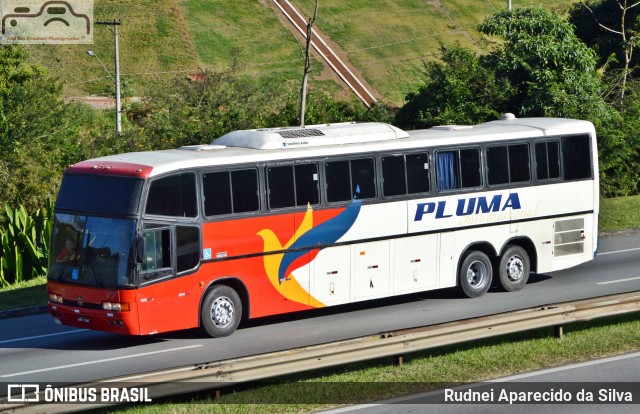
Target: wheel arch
[(481, 246), (527, 245), (235, 284)]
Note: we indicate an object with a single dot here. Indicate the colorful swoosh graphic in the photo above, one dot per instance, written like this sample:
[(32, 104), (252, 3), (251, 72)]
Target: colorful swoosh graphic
[(279, 267)]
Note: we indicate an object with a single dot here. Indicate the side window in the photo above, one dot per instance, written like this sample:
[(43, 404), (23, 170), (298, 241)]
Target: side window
[(307, 190), (338, 181), (157, 251), (417, 173), (508, 164), (405, 174), (363, 181), (350, 179), (576, 157), (519, 166), (173, 196), (458, 169), (280, 189), (497, 165), (244, 188), (290, 186), (187, 247), (393, 174), (217, 193), (547, 160), (229, 192)]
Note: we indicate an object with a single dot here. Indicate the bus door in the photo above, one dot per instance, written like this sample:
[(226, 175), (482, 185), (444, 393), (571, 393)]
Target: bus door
[(166, 300)]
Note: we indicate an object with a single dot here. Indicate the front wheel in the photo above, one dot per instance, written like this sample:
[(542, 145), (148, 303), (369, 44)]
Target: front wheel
[(475, 274), (514, 269), (221, 311)]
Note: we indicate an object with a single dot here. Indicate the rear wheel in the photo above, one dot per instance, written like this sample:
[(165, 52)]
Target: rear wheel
[(221, 311), (475, 274), (514, 269)]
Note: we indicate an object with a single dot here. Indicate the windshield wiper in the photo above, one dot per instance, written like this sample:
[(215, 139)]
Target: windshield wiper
[(90, 256)]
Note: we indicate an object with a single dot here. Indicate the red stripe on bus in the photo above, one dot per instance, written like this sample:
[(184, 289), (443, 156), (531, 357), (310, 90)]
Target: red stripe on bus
[(126, 169)]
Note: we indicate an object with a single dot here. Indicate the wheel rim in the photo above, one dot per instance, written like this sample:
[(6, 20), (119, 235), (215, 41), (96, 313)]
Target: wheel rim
[(477, 274), (222, 311), (515, 268)]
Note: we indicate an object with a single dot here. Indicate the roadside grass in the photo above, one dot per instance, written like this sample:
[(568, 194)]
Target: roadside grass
[(424, 371), (620, 213), (153, 50), (24, 294)]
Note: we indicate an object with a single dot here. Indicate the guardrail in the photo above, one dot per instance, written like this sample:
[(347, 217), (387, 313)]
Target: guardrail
[(216, 375)]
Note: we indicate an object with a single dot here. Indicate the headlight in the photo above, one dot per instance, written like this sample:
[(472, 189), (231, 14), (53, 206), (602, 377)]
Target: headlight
[(55, 298), (115, 306)]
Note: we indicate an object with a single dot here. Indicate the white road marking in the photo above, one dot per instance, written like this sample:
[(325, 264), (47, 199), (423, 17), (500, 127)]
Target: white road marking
[(27, 338), (618, 281), (618, 251), (99, 361)]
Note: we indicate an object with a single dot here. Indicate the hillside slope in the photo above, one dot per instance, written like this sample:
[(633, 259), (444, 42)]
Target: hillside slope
[(159, 39)]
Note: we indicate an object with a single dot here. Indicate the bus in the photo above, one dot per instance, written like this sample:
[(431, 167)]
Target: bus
[(276, 220)]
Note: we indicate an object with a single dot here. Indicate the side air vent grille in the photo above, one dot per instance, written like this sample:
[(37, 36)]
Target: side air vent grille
[(301, 133), (569, 237)]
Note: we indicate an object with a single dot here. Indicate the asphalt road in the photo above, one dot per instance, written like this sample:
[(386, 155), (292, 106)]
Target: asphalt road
[(34, 349)]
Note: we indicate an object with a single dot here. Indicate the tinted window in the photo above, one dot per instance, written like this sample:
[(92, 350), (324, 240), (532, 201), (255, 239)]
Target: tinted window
[(307, 191), (338, 181), (519, 170), (217, 193), (547, 160), (508, 164), (393, 175), (405, 174), (576, 157), (244, 186), (417, 173), (281, 191), (458, 169), (187, 247), (497, 165), (350, 179), (173, 196), (95, 193), (229, 192), (293, 185)]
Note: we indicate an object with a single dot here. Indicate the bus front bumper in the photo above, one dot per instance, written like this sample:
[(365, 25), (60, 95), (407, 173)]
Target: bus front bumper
[(100, 320)]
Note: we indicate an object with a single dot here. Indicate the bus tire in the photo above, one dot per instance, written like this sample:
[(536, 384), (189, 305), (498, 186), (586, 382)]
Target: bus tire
[(514, 269), (475, 274), (221, 311)]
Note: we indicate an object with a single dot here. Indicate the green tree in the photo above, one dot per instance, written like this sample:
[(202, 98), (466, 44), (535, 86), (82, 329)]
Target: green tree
[(552, 70), (610, 28), (39, 134), (461, 89)]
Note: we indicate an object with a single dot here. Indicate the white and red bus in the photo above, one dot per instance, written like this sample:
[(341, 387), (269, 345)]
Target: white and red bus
[(270, 221)]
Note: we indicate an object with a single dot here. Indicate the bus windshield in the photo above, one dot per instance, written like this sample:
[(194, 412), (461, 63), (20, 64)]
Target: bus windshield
[(92, 250)]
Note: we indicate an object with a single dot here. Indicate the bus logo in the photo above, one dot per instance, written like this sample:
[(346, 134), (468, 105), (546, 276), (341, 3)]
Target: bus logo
[(468, 206)]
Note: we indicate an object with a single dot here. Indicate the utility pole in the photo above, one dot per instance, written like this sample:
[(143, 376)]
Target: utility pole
[(307, 67), (509, 5), (113, 26)]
